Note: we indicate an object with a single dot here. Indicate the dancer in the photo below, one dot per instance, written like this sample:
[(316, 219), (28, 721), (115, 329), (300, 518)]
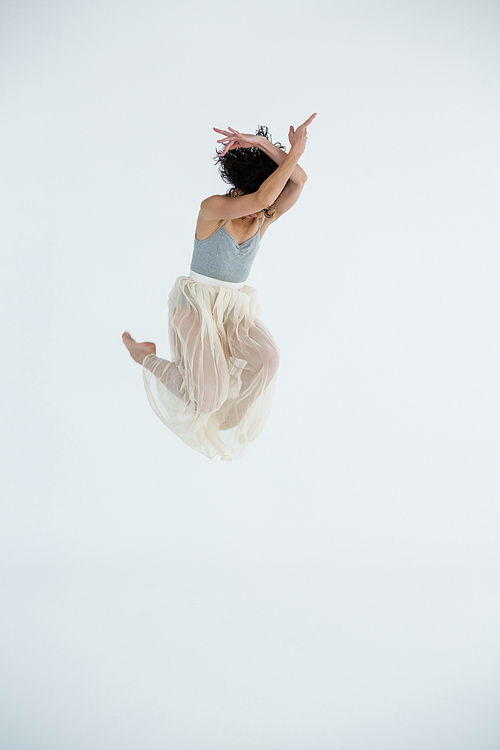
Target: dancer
[(216, 391)]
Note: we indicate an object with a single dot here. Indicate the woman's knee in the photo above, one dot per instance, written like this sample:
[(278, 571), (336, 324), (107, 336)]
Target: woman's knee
[(273, 360), (264, 360), (260, 351)]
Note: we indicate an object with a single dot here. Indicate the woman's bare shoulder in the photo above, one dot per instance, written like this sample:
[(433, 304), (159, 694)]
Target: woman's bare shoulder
[(205, 228)]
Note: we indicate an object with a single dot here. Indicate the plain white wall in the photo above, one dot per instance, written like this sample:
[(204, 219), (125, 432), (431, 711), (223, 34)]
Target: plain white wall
[(338, 586)]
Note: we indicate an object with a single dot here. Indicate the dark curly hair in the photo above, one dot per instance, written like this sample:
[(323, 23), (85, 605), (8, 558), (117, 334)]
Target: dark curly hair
[(245, 169)]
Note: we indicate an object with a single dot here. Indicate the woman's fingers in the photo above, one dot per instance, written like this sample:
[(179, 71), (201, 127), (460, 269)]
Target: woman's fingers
[(231, 143), (228, 140), (228, 147), (309, 121)]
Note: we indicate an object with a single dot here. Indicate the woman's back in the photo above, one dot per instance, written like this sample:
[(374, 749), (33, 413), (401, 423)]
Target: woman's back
[(220, 257), (238, 229)]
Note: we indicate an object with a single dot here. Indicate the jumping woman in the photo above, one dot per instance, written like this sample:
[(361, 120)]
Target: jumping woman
[(216, 391)]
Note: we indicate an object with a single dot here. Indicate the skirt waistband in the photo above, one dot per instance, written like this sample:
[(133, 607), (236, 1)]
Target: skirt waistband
[(215, 282)]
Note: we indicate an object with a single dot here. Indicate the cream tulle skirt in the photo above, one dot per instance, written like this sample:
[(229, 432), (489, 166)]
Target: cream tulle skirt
[(216, 392)]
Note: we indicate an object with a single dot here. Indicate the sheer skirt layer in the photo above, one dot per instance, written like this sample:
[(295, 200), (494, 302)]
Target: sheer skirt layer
[(216, 392)]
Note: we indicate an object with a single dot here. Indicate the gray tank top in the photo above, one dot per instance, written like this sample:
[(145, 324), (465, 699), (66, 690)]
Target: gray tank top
[(220, 256)]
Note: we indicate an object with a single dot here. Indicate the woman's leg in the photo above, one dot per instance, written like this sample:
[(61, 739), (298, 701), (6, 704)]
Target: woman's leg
[(167, 373), (262, 358), (200, 374)]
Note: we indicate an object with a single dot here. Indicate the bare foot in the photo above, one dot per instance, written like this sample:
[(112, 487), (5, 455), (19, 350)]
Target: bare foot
[(138, 351)]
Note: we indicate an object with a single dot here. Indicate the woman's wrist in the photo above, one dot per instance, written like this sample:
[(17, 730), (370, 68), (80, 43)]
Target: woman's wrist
[(278, 155), (296, 150), (263, 143)]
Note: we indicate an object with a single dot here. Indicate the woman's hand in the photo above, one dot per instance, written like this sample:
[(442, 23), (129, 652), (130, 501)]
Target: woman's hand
[(298, 137), (235, 139)]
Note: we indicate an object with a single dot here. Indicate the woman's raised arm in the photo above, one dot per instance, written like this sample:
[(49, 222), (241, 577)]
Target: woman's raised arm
[(225, 207)]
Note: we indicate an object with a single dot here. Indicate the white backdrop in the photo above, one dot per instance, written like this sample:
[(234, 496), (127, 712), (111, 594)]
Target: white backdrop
[(338, 586)]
